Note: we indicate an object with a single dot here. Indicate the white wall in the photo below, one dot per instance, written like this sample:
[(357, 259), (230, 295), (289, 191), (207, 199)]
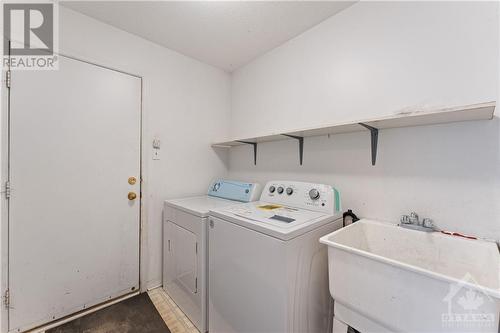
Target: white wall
[(373, 59), (186, 105)]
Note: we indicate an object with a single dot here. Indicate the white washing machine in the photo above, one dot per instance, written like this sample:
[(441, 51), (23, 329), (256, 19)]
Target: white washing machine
[(185, 244), (267, 270)]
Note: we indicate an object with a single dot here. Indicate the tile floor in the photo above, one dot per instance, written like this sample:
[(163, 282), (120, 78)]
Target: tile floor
[(175, 319)]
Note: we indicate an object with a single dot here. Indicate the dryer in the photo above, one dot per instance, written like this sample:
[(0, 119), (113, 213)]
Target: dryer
[(185, 244), (267, 270)]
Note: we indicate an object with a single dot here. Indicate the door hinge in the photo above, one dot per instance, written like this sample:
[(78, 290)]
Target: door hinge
[(7, 190), (195, 285), (6, 299), (196, 248), (7, 78)]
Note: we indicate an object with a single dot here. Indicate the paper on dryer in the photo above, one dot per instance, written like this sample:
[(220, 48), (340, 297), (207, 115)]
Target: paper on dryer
[(277, 214), (269, 207)]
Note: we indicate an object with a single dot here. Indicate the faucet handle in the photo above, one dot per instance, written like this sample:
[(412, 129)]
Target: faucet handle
[(405, 219), (428, 223)]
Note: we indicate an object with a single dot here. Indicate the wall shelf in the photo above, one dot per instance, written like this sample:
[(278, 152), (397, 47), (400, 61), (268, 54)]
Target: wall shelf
[(482, 111)]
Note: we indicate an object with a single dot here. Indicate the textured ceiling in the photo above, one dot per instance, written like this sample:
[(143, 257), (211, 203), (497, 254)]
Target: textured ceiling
[(226, 34)]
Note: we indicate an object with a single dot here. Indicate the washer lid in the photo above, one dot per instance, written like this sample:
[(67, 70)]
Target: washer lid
[(272, 219), (200, 205)]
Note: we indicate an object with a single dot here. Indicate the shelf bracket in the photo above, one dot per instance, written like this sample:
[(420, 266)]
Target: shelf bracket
[(254, 144), (301, 145), (374, 140)]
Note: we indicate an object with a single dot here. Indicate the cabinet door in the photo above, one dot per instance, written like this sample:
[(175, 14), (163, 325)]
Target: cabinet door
[(182, 257)]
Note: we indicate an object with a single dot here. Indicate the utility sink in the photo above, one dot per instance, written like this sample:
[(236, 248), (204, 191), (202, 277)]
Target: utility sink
[(385, 278)]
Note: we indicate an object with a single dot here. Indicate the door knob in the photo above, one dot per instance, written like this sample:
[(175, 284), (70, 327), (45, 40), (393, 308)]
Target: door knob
[(132, 195)]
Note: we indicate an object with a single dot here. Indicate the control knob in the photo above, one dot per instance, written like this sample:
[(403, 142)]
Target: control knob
[(314, 194), (280, 190), (272, 189), (289, 190)]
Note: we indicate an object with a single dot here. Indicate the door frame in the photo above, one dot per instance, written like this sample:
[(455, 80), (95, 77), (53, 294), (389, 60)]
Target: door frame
[(4, 202)]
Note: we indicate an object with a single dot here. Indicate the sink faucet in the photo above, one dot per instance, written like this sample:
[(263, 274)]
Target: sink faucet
[(412, 221)]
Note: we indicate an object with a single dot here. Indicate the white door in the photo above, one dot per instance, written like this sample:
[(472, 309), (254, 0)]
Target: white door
[(73, 230)]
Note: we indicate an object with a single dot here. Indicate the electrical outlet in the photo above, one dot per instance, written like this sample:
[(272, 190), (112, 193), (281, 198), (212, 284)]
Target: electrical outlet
[(156, 154)]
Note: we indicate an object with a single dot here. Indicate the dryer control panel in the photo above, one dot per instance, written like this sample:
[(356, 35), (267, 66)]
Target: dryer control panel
[(316, 197), (234, 190)]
